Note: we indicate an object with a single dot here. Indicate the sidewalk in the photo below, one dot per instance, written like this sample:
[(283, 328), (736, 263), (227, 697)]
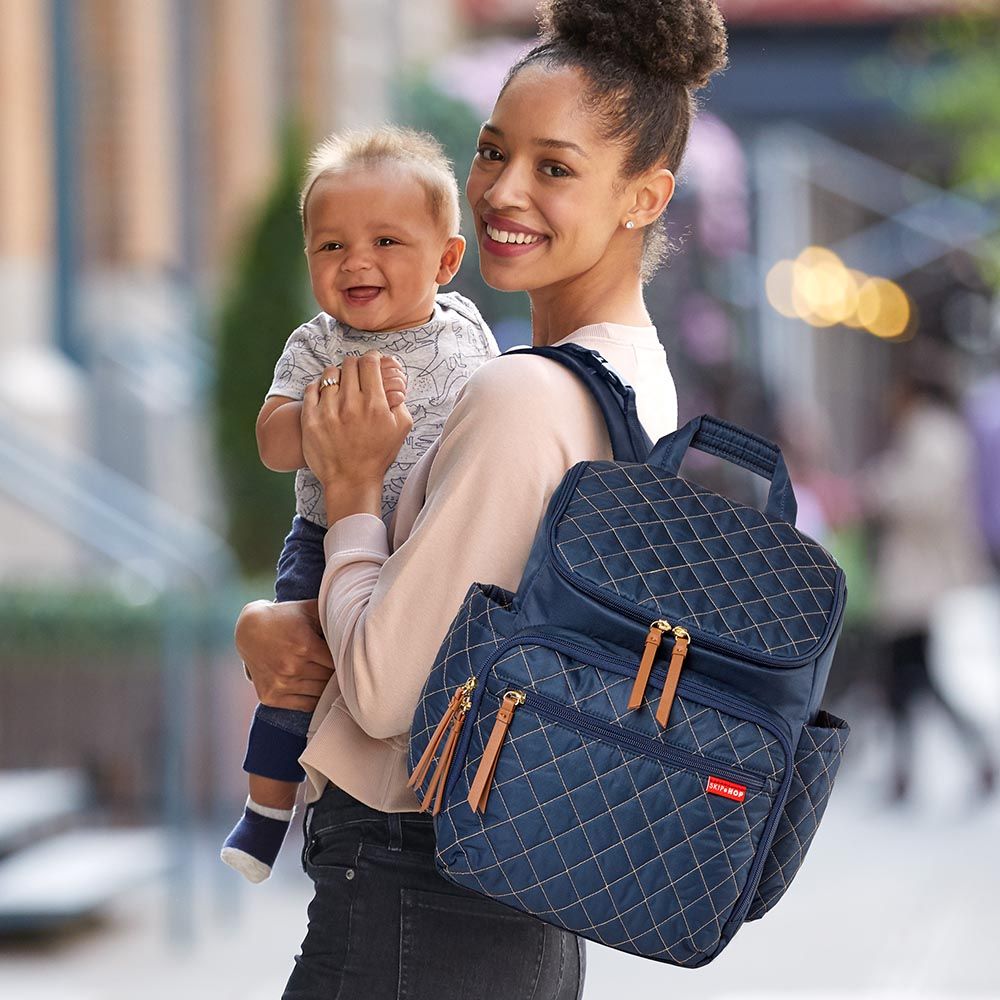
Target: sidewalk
[(892, 904)]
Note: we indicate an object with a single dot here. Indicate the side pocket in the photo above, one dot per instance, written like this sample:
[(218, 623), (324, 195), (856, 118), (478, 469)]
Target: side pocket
[(817, 759)]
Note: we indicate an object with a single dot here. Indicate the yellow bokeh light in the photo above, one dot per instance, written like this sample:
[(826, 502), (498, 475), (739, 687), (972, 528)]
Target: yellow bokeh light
[(883, 308), (818, 257), (779, 288), (823, 292), (818, 288), (858, 278)]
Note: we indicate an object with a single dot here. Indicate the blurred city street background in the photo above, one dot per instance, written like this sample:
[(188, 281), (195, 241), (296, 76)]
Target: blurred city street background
[(835, 286)]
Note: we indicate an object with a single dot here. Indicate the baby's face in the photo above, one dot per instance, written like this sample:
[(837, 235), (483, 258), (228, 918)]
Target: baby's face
[(374, 249)]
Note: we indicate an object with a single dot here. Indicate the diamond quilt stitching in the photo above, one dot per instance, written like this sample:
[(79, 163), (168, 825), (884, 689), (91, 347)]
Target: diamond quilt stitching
[(693, 556)]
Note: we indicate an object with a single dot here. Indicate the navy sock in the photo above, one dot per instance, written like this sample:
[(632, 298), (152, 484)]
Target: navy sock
[(253, 845)]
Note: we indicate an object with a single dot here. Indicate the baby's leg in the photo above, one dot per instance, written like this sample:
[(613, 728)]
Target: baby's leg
[(277, 736)]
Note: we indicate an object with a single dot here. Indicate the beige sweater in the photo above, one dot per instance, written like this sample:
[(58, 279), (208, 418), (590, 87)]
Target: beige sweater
[(468, 512)]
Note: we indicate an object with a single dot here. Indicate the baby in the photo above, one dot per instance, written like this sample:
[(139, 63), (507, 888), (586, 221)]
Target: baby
[(380, 215)]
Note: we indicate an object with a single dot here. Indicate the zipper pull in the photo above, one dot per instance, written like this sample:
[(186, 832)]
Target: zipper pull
[(483, 781), (682, 640), (423, 765), (435, 790), (653, 640)]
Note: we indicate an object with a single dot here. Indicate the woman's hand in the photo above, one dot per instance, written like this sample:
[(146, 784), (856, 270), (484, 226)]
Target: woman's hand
[(285, 653), (350, 435)]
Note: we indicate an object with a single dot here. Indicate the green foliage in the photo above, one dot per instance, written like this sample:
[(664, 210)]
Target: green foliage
[(964, 96), (959, 94), (268, 299), (89, 622)]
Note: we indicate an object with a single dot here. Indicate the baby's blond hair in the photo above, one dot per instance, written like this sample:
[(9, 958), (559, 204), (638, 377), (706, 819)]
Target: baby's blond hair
[(405, 147)]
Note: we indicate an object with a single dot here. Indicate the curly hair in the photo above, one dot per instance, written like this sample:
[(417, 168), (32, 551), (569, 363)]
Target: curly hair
[(643, 61), (405, 147)]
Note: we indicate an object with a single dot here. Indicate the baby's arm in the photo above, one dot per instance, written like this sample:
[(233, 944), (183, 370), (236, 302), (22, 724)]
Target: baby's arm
[(279, 423), (279, 434)]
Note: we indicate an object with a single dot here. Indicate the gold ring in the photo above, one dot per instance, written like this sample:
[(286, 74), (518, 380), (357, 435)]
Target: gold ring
[(328, 382)]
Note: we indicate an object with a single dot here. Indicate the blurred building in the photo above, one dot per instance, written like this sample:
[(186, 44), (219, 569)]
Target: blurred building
[(137, 135)]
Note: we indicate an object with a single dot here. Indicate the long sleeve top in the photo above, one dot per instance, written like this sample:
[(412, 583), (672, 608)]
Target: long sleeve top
[(468, 512)]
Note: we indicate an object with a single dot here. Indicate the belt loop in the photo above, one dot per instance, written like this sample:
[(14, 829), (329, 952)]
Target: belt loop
[(395, 832)]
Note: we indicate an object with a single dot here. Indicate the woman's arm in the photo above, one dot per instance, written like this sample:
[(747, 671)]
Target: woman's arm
[(518, 426)]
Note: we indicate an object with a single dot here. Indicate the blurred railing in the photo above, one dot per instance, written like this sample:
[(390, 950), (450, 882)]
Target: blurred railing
[(183, 562)]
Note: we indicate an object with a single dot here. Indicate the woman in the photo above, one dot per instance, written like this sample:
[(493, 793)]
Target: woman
[(573, 173)]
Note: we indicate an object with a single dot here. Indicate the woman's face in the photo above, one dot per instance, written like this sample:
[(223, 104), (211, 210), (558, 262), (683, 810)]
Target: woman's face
[(545, 187)]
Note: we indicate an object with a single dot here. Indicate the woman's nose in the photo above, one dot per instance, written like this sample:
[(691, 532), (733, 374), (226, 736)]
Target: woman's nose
[(508, 189)]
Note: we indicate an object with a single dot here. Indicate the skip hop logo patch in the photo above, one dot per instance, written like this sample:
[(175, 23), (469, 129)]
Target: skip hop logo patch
[(727, 789)]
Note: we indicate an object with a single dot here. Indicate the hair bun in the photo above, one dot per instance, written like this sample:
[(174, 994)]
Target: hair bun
[(682, 40)]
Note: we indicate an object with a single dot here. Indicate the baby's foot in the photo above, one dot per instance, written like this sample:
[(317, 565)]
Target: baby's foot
[(253, 846)]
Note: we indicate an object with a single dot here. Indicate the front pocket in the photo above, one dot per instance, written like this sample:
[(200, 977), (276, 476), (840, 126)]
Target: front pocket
[(612, 833), (817, 760), (676, 757)]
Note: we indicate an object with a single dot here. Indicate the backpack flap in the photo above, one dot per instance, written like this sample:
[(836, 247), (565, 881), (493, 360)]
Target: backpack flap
[(626, 545)]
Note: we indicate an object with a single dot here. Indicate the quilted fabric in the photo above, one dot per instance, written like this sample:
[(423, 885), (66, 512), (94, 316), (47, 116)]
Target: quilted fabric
[(817, 760), (627, 851), (693, 557)]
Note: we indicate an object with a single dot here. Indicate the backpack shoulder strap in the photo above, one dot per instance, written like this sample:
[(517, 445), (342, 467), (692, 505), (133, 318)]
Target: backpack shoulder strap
[(616, 399)]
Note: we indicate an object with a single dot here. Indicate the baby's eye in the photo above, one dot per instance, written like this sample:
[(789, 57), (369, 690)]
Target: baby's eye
[(386, 241), (554, 170), (332, 246), (487, 153)]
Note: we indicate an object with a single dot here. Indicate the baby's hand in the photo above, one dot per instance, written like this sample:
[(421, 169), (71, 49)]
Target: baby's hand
[(393, 380)]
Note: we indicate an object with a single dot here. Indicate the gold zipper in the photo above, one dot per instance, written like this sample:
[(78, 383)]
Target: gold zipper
[(682, 639), (653, 639), (483, 781), (454, 716)]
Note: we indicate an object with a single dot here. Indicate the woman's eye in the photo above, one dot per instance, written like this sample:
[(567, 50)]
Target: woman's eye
[(554, 170), (386, 241), (489, 153)]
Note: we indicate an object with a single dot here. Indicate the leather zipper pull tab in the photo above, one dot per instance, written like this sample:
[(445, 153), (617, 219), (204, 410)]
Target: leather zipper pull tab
[(653, 640), (483, 781), (681, 642), (423, 765), (435, 790)]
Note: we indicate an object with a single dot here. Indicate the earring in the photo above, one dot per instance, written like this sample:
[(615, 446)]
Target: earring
[(630, 224)]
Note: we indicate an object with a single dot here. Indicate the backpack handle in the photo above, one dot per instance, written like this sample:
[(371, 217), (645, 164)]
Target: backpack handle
[(734, 444)]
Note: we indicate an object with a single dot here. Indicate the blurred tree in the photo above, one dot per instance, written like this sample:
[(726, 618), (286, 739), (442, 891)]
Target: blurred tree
[(267, 299), (960, 95)]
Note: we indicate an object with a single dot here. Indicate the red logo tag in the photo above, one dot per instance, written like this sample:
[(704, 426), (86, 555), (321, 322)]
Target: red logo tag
[(727, 789)]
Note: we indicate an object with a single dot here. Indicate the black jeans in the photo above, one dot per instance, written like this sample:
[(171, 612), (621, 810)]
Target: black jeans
[(384, 925)]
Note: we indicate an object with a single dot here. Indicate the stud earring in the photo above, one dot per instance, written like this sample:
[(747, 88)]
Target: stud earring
[(630, 224)]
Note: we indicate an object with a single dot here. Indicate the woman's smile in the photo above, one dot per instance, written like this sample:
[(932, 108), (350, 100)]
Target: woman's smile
[(506, 238)]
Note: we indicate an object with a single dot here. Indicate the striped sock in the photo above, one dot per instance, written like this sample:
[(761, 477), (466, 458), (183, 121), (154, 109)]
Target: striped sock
[(252, 847)]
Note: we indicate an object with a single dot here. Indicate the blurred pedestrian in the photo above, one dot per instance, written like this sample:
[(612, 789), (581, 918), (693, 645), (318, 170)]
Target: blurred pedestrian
[(920, 491), (983, 409)]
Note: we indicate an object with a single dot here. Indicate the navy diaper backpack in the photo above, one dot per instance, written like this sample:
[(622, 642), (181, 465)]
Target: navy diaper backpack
[(631, 746)]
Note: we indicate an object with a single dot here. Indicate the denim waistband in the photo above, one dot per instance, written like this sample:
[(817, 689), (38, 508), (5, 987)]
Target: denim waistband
[(411, 831)]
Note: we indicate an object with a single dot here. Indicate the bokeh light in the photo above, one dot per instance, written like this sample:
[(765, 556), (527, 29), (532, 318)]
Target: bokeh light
[(819, 289)]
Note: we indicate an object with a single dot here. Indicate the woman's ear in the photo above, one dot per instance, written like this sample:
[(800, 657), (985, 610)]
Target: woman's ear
[(451, 259), (653, 192)]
